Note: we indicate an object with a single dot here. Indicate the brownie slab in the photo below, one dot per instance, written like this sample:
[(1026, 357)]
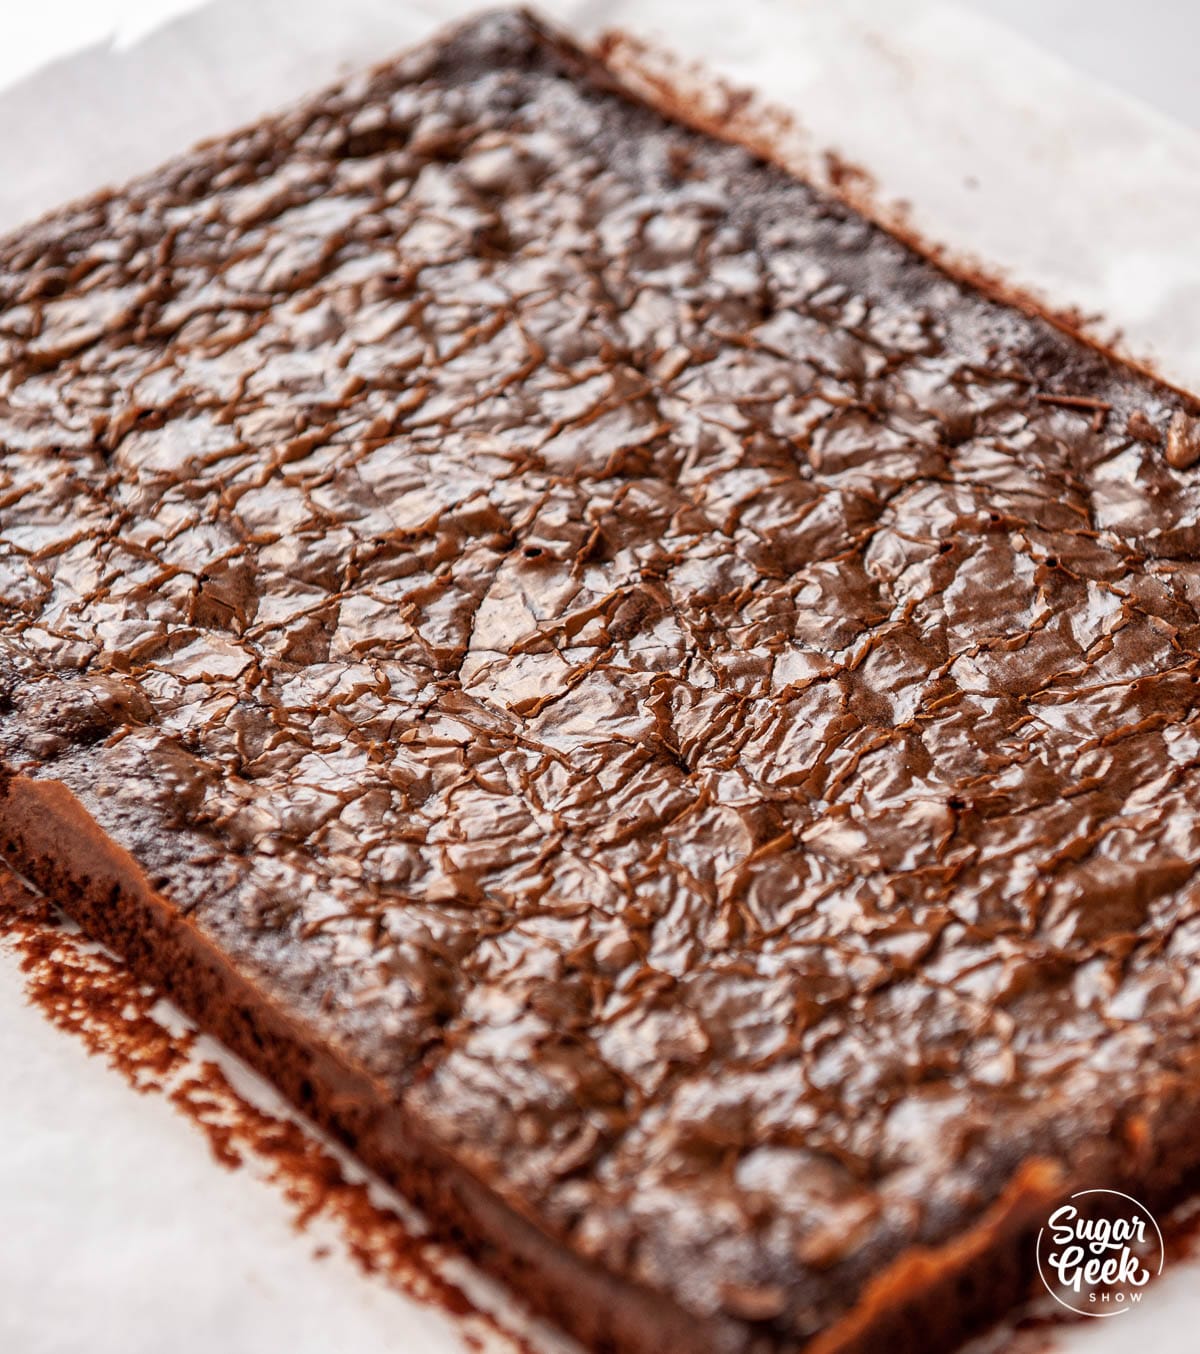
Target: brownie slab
[(660, 716)]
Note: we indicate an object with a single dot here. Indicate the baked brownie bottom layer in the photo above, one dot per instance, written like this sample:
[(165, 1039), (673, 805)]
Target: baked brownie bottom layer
[(664, 719)]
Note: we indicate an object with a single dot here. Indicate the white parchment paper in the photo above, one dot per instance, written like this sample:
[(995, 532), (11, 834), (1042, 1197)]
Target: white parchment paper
[(118, 1233)]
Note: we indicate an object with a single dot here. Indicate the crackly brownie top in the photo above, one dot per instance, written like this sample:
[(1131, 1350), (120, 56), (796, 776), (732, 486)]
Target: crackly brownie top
[(698, 702)]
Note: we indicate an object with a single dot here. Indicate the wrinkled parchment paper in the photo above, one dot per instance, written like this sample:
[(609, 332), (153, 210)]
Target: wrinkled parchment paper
[(118, 1233)]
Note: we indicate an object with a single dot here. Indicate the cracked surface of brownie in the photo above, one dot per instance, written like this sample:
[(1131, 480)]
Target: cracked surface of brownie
[(697, 702)]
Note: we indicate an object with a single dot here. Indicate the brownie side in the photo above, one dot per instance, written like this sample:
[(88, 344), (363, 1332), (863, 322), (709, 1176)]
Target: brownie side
[(930, 1298), (691, 703)]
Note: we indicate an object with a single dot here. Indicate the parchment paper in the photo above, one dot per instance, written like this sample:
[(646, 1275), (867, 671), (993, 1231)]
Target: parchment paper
[(117, 1230)]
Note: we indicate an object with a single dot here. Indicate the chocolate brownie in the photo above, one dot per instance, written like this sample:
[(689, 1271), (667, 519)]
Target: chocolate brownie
[(660, 716)]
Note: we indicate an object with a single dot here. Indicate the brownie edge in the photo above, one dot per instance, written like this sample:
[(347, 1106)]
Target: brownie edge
[(914, 1303)]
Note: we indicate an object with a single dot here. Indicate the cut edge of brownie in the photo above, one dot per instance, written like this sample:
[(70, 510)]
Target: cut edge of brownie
[(927, 1298)]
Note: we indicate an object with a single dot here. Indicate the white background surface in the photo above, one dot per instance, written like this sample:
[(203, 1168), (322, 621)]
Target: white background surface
[(117, 1231), (1149, 48)]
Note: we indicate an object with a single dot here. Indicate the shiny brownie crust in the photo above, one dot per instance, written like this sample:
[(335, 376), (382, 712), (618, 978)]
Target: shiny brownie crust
[(661, 717)]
